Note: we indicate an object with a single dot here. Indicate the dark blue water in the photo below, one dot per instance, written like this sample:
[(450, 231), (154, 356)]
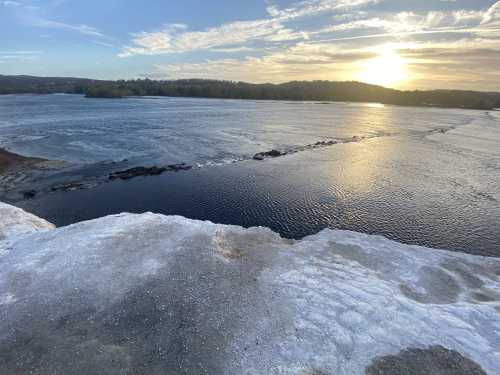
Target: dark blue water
[(422, 176)]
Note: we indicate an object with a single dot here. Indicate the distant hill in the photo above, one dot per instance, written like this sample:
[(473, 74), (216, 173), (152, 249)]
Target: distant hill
[(43, 85), (297, 90)]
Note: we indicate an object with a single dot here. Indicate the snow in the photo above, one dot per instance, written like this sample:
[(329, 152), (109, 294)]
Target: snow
[(155, 294), (14, 221)]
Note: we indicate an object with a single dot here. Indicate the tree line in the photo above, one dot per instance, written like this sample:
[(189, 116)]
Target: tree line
[(294, 91)]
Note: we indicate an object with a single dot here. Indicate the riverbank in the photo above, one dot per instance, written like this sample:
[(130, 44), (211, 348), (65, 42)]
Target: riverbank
[(20, 175), (10, 161)]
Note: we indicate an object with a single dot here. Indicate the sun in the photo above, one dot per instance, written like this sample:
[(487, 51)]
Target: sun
[(387, 69)]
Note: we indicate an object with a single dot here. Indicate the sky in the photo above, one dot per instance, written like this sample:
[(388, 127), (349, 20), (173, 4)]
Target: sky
[(407, 44)]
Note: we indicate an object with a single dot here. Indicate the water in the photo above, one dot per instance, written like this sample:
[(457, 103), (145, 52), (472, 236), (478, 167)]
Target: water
[(422, 176), (72, 128)]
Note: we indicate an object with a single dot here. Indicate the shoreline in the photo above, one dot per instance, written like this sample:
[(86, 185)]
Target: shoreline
[(290, 100), (10, 161)]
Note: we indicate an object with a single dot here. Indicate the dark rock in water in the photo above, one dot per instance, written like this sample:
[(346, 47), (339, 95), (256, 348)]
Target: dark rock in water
[(268, 154), (29, 194), (148, 171), (274, 153), (137, 172), (179, 167), (319, 144), (258, 156), (435, 360), (70, 186)]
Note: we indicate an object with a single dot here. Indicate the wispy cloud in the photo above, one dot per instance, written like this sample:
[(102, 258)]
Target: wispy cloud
[(172, 39), (82, 29), (36, 16), (410, 22), (9, 3), (315, 7), (103, 44), (305, 60), (19, 55), (177, 39)]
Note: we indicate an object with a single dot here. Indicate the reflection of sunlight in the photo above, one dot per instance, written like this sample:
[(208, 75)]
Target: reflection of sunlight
[(387, 69), (374, 105), (366, 161)]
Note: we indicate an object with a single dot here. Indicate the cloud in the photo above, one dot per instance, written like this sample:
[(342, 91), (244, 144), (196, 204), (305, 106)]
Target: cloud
[(409, 22), (315, 7), (452, 25), (176, 39), (233, 49), (302, 60), (346, 24), (171, 39), (103, 44), (492, 14), (9, 3), (32, 16), (457, 64), (82, 29), (19, 55)]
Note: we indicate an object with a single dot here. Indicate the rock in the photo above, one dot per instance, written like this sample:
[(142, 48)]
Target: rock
[(153, 294), (15, 222), (258, 156), (137, 172), (29, 194), (179, 167), (268, 154), (273, 153), (70, 186), (148, 171), (435, 360)]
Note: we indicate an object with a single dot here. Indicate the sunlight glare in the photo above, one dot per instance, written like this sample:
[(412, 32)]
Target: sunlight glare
[(387, 69)]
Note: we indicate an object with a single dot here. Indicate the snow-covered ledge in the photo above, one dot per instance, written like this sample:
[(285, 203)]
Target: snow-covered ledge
[(14, 221), (151, 294)]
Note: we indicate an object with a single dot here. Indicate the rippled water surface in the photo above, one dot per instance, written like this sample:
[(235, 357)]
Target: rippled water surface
[(418, 175)]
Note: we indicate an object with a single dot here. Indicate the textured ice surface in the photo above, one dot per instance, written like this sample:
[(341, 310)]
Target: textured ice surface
[(14, 221), (151, 294)]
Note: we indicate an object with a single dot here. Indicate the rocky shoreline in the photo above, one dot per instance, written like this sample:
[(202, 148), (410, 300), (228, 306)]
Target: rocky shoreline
[(10, 161)]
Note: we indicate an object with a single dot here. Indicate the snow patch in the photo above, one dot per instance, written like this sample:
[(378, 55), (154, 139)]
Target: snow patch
[(156, 294), (14, 222)]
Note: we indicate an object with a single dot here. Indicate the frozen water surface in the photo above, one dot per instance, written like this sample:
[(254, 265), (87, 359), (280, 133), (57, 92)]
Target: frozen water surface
[(153, 294), (159, 130)]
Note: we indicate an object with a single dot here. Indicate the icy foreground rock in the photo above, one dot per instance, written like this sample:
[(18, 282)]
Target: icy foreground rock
[(14, 221), (150, 294)]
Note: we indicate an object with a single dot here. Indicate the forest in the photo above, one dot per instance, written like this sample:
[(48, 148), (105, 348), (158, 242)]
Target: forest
[(294, 91)]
